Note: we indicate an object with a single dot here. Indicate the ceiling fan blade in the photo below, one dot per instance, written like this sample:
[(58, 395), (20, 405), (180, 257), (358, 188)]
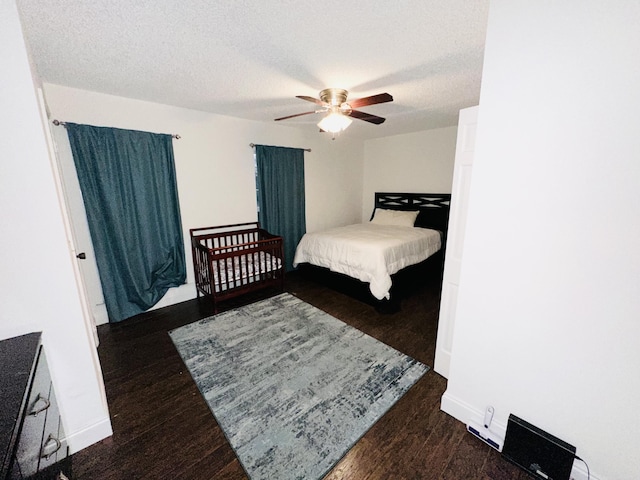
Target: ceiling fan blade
[(311, 99), (367, 117), (292, 116), (372, 100)]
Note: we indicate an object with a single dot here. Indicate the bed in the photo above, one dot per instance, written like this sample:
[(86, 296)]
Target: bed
[(377, 252), (232, 260)]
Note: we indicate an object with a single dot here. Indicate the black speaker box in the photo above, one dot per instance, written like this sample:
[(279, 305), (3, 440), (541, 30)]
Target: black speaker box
[(537, 452)]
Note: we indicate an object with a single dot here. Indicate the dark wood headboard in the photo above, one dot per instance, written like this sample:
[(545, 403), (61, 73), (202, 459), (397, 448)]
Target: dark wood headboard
[(433, 207)]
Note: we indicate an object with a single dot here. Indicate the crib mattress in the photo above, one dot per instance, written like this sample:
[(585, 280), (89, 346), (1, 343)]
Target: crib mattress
[(245, 271)]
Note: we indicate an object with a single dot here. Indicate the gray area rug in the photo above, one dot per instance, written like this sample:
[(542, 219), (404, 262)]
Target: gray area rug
[(292, 387)]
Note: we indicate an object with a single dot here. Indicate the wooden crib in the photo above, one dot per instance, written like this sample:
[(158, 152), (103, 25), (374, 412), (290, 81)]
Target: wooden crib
[(231, 260)]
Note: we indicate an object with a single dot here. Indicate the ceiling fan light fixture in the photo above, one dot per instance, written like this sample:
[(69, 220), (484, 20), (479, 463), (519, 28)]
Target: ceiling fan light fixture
[(334, 122), (339, 112)]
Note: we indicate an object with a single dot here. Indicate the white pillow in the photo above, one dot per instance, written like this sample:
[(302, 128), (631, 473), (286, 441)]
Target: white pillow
[(394, 217)]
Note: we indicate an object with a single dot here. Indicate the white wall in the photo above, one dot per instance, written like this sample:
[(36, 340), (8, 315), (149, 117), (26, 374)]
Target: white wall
[(549, 306), (215, 166), (420, 162), (38, 291)]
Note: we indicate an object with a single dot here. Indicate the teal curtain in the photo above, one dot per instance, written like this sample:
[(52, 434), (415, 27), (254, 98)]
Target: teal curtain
[(129, 189), (280, 183)]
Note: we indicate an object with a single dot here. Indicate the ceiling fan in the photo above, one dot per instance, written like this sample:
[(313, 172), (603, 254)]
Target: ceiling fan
[(334, 102)]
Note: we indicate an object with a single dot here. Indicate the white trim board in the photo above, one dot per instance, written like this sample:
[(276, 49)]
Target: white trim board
[(88, 436), (184, 292), (174, 295)]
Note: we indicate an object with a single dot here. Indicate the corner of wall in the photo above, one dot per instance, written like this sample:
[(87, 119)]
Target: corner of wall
[(88, 436)]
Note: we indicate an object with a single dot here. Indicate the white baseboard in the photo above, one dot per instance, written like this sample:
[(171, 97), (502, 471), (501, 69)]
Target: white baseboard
[(100, 315), (93, 434), (176, 295), (462, 411)]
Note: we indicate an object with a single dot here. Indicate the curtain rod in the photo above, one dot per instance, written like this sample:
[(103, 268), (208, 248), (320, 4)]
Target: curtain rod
[(64, 124), (305, 149)]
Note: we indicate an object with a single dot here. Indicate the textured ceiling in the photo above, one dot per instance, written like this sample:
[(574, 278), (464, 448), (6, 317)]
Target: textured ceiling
[(249, 58)]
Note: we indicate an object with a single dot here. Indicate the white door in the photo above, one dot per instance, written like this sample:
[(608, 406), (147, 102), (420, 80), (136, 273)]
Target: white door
[(90, 323), (79, 226), (465, 145)]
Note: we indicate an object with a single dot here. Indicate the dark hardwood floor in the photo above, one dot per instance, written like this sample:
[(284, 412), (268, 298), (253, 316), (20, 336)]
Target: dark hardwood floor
[(163, 429)]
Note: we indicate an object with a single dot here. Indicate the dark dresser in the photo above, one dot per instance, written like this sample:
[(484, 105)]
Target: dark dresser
[(31, 436)]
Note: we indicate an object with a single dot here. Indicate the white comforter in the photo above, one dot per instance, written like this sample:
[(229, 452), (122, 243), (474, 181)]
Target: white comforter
[(369, 252)]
